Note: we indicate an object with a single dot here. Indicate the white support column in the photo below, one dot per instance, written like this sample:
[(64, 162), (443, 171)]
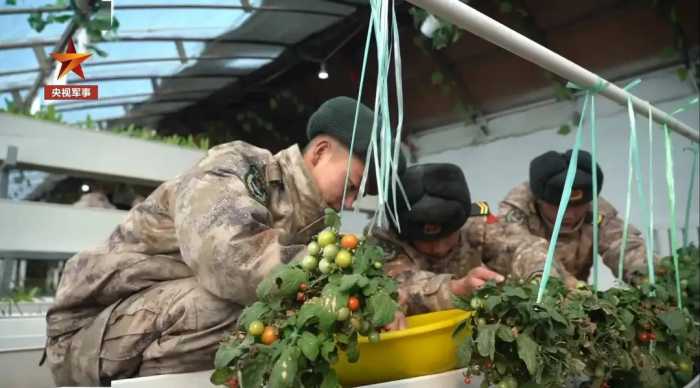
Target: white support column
[(21, 274)]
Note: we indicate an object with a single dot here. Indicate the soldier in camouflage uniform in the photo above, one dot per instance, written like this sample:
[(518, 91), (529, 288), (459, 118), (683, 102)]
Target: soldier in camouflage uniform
[(447, 245), (531, 208), (165, 288)]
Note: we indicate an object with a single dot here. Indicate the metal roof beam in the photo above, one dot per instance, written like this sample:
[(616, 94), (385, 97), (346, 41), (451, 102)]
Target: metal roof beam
[(133, 95), (110, 104), (144, 60), (132, 77), (243, 7), (138, 38)]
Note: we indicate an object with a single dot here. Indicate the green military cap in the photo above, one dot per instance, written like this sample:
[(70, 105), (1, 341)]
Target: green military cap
[(336, 118)]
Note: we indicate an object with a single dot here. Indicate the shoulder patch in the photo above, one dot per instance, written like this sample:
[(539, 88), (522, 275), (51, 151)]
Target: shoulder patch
[(255, 184), (480, 209), (589, 218), (516, 216)]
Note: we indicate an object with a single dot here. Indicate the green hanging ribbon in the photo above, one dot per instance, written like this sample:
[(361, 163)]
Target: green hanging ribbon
[(381, 151), (635, 169), (596, 211), (672, 206), (357, 111), (650, 230), (628, 198), (693, 171), (399, 126), (672, 201), (568, 183)]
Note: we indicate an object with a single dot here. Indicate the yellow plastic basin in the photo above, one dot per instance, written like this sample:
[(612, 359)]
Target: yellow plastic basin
[(426, 347)]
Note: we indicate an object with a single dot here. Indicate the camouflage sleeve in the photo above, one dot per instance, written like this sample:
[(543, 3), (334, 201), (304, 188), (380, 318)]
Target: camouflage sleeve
[(510, 247), (225, 234), (610, 243), (425, 291)]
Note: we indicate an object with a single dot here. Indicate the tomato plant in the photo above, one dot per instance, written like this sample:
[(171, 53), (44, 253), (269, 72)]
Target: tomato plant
[(605, 335), (311, 312)]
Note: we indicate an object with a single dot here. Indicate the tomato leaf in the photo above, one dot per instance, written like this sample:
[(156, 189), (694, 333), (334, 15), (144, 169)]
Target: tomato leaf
[(464, 352), (254, 312), (492, 301), (353, 350), (329, 352), (230, 352), (285, 369), (221, 376), (349, 281), (330, 380), (515, 291), (486, 340), (674, 320), (505, 333), (309, 345), (527, 351), (253, 374), (382, 309), (307, 312), (284, 283)]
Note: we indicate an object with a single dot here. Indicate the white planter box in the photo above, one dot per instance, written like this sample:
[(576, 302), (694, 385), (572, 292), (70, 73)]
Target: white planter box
[(452, 379), (22, 333), (62, 148), (52, 231), (21, 347)]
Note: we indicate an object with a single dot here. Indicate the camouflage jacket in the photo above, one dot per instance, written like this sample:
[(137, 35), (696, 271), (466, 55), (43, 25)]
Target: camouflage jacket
[(575, 250), (226, 222), (426, 280)]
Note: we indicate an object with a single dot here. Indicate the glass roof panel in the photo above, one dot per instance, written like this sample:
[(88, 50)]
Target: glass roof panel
[(79, 104), (154, 69), (76, 116), (22, 80), (194, 22), (15, 27), (120, 51), (218, 49), (213, 2), (122, 87), (4, 97), (17, 59), (28, 3)]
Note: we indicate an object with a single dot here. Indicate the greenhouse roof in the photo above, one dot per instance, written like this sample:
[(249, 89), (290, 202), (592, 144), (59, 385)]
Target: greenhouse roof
[(165, 55)]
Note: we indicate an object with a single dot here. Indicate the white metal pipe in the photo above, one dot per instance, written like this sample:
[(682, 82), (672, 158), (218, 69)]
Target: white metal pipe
[(466, 17)]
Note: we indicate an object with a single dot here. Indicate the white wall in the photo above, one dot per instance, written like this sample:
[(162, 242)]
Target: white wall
[(493, 169)]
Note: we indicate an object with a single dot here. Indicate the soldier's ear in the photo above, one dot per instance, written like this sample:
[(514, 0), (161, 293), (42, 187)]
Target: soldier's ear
[(317, 150)]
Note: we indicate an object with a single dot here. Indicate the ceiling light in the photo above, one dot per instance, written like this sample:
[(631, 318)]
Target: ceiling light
[(322, 73)]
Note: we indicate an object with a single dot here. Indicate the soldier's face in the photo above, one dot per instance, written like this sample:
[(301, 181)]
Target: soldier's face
[(328, 164), (573, 216), (438, 248)]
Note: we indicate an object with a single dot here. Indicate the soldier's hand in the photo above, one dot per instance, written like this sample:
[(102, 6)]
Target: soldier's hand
[(474, 280), (399, 322)]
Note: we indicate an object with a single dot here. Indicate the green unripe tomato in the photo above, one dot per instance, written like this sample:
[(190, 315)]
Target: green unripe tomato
[(330, 251), (309, 263), (343, 259), (326, 237), (324, 266), (256, 328), (342, 314), (313, 248)]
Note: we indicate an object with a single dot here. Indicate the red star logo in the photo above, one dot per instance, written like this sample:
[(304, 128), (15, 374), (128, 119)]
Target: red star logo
[(70, 61)]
